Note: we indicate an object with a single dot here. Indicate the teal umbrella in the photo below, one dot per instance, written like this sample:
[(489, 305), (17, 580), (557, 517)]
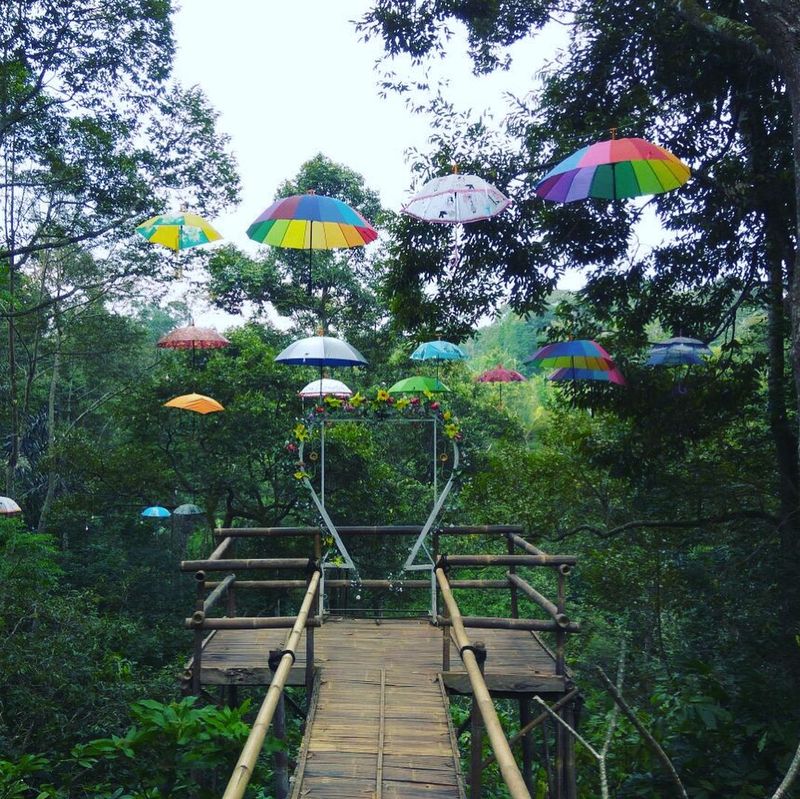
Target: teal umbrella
[(418, 384)]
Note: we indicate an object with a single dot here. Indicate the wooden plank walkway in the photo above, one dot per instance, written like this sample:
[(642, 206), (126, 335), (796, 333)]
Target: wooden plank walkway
[(380, 726)]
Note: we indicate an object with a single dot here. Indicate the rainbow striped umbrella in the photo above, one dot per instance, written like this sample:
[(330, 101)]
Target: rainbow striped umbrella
[(603, 375), (612, 170), (579, 353), (311, 222)]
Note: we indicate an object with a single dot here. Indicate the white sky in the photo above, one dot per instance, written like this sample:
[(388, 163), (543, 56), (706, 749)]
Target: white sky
[(291, 79)]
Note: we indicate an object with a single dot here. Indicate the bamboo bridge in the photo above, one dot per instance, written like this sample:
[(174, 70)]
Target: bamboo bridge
[(377, 718)]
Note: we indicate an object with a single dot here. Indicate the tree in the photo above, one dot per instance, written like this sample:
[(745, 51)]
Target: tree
[(92, 138)]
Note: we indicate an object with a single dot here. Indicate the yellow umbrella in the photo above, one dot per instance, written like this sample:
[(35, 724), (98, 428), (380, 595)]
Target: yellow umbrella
[(198, 403), (178, 231)]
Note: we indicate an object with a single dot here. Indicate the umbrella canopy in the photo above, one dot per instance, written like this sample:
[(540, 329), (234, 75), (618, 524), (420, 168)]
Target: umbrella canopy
[(684, 341), (579, 353), (438, 351), (311, 222), (8, 507), (198, 403), (612, 170), (192, 337), (500, 375), (324, 387), (418, 384), (188, 510), (603, 375), (456, 199), (676, 355), (321, 351), (156, 512), (178, 231)]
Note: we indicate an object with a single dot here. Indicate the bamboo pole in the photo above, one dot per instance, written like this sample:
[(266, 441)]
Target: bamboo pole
[(560, 618), (280, 759), (232, 564), (525, 546), (386, 585), (505, 759), (476, 731), (221, 549), (510, 560), (218, 591), (499, 623), (512, 570), (243, 771), (391, 530), (200, 622)]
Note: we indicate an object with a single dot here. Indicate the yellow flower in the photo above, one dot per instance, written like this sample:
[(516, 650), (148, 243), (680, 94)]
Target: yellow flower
[(301, 432), (382, 395), (451, 430), (403, 402), (428, 394), (447, 416), (299, 475), (356, 399)]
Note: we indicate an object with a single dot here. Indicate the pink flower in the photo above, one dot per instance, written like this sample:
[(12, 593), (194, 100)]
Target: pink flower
[(434, 406)]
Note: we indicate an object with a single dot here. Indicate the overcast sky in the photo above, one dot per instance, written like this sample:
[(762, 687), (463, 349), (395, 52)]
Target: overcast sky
[(291, 79)]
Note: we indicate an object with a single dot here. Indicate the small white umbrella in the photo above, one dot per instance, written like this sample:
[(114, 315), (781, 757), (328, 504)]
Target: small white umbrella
[(8, 507), (325, 387)]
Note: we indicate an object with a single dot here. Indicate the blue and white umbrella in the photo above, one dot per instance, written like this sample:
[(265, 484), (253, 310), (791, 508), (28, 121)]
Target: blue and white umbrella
[(321, 351), (156, 512)]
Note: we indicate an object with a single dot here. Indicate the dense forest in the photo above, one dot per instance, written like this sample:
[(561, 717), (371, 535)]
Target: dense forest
[(678, 492)]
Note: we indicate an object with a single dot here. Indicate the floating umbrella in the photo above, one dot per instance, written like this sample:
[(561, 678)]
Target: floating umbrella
[(198, 403), (325, 387), (321, 351), (188, 510), (578, 353), (8, 507), (156, 512), (612, 170), (178, 231), (192, 337), (602, 375), (456, 199), (438, 351), (311, 222), (676, 355), (418, 385), (500, 375)]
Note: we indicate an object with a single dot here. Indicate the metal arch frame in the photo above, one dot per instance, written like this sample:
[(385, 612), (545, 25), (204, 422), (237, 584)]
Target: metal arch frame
[(409, 564)]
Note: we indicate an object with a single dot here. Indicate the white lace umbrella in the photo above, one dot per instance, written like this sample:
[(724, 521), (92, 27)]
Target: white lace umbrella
[(325, 387)]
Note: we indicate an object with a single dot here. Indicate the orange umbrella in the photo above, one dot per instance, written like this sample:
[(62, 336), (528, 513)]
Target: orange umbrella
[(198, 403)]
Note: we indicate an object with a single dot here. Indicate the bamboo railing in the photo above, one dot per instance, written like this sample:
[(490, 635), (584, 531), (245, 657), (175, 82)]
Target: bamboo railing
[(243, 771)]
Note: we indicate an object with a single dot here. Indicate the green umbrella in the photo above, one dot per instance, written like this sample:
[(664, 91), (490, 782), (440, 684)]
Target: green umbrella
[(418, 384)]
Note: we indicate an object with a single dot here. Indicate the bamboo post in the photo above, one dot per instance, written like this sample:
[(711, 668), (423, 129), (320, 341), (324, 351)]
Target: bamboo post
[(512, 570), (310, 660), (446, 641), (560, 635), (197, 660), (237, 785), (476, 731), (549, 607), (280, 758), (505, 759), (563, 739), (527, 742), (570, 784)]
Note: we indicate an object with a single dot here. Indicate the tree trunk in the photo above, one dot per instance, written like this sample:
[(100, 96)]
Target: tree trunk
[(52, 469)]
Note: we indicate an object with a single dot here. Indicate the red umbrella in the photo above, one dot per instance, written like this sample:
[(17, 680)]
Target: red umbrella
[(500, 375), (192, 337)]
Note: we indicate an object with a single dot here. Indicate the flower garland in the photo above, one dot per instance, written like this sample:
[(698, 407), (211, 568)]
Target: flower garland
[(381, 406)]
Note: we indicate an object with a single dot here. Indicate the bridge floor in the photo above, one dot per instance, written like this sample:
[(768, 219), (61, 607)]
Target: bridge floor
[(517, 661)]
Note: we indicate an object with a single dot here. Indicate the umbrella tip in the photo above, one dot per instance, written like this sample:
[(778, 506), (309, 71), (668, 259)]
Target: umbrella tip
[(455, 169), (311, 191)]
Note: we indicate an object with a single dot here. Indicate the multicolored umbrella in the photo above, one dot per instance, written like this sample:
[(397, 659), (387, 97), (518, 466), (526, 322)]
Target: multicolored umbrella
[(612, 170), (325, 387), (155, 512), (311, 222), (418, 384), (199, 403), (178, 231), (603, 375), (8, 507), (456, 200), (579, 353)]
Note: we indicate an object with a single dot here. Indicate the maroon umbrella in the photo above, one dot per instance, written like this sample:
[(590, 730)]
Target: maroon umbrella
[(191, 337), (500, 375)]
